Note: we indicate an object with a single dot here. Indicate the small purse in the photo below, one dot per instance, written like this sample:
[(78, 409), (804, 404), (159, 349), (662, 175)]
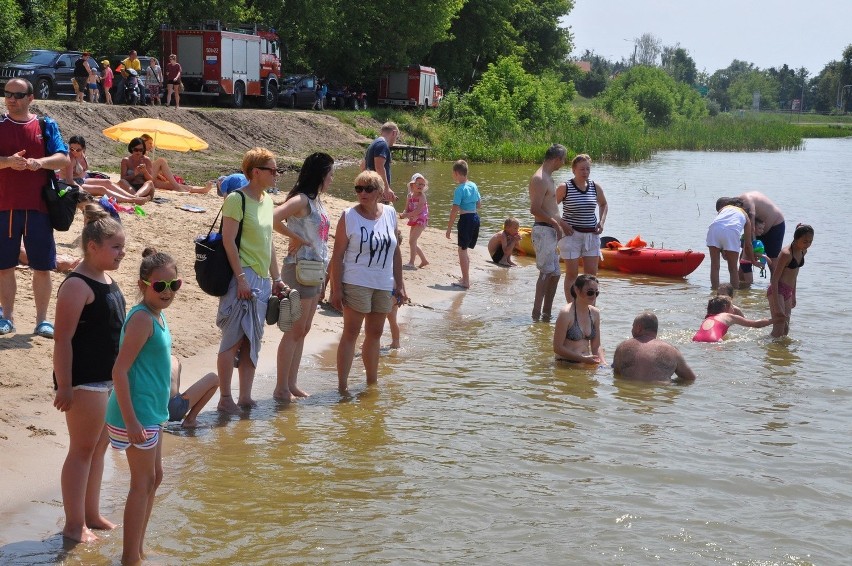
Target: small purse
[(310, 272)]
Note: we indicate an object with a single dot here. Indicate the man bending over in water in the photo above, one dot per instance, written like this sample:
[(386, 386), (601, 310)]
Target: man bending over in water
[(645, 358)]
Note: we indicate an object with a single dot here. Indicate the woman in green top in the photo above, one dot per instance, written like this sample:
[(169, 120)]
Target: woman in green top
[(256, 275)]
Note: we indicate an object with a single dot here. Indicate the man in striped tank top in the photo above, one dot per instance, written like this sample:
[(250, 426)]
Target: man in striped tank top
[(582, 227)]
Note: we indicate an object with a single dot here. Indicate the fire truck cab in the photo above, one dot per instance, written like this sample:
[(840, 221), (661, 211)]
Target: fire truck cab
[(227, 61)]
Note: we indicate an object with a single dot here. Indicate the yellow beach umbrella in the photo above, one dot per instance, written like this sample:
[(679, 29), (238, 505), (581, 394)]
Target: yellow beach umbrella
[(167, 135)]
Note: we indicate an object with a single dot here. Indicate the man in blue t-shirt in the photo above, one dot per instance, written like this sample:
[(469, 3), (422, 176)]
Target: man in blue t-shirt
[(378, 157), (25, 160)]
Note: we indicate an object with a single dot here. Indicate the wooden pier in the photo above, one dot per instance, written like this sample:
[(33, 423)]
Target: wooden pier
[(410, 152)]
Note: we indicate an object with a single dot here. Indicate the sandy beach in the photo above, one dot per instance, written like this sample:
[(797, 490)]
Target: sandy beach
[(33, 435)]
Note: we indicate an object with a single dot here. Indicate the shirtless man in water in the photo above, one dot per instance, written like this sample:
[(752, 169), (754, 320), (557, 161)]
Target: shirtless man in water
[(645, 358), (762, 210), (546, 230)]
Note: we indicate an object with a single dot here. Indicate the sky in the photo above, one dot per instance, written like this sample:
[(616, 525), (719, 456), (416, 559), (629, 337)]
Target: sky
[(768, 33)]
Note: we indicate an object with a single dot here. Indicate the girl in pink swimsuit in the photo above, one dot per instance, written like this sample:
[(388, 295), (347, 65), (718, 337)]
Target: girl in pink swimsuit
[(785, 272), (720, 317), (417, 213)]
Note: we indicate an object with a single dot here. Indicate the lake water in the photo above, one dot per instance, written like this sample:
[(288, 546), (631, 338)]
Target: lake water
[(477, 448)]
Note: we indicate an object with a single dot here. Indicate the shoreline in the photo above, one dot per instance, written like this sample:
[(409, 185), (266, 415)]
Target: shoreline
[(33, 435)]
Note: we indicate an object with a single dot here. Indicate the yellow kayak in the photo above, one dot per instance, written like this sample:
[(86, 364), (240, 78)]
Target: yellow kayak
[(525, 246)]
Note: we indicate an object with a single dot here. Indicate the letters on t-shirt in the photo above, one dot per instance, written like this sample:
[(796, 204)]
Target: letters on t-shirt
[(378, 245)]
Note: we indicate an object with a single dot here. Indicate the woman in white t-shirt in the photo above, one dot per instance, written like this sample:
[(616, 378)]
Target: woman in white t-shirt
[(366, 275)]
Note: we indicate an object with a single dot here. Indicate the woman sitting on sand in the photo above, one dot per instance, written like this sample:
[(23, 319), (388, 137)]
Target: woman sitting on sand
[(136, 171), (163, 177), (577, 334), (77, 171)]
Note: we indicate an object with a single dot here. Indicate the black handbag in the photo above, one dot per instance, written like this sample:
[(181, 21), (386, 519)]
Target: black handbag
[(60, 197), (212, 269)]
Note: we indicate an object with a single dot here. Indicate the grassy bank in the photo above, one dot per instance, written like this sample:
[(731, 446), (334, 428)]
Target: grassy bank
[(586, 131)]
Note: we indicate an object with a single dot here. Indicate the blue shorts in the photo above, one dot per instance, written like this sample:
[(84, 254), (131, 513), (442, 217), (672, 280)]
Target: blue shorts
[(468, 228), (773, 240), (34, 229), (178, 408)]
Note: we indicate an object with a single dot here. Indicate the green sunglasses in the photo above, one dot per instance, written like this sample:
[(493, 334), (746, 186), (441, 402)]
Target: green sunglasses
[(160, 286)]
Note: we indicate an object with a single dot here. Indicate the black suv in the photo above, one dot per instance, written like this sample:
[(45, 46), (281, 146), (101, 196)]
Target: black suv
[(49, 71)]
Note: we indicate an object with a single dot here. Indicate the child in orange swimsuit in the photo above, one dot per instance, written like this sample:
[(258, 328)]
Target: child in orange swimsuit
[(782, 288), (720, 317)]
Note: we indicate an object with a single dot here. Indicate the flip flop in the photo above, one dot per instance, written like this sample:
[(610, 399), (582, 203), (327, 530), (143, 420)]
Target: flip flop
[(44, 329), (6, 326), (160, 200), (456, 284)]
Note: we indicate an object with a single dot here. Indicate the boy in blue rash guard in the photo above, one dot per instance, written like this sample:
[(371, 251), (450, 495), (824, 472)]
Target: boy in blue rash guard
[(466, 204)]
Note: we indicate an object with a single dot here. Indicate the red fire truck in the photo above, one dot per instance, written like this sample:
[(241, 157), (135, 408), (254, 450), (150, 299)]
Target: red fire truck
[(416, 86), (226, 61)]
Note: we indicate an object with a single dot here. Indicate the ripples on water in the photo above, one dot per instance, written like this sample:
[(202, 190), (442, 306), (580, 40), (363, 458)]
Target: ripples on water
[(478, 448)]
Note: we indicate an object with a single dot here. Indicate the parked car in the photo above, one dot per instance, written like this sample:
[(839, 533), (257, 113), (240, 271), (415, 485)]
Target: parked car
[(49, 71), (298, 91), (117, 89)]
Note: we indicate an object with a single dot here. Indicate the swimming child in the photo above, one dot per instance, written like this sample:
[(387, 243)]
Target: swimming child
[(720, 317), (139, 403), (186, 406), (466, 205), (502, 244), (726, 289), (417, 213), (723, 239), (782, 287), (89, 314)]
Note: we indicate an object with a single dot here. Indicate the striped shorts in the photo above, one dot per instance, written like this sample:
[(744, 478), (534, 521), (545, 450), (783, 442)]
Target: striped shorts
[(118, 437)]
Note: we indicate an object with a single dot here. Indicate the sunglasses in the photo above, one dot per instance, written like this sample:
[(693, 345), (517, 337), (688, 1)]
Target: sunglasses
[(15, 95), (272, 170), (592, 293), (160, 286), (361, 189), (138, 149)]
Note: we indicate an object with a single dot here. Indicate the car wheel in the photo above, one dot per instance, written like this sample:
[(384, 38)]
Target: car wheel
[(270, 98), (238, 99), (43, 89)]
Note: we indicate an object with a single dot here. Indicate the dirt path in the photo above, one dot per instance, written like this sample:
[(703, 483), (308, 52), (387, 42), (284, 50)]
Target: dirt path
[(290, 134)]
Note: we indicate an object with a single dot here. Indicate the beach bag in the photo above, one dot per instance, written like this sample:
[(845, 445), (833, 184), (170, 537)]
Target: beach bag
[(60, 197), (309, 272), (212, 269), (62, 200)]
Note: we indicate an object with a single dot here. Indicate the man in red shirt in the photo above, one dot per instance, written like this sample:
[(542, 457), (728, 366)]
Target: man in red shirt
[(25, 159)]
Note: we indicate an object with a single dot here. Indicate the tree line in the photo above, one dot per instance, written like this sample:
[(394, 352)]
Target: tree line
[(733, 87)]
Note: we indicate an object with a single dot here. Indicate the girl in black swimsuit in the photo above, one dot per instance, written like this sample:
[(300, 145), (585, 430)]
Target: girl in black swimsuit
[(782, 288), (576, 336)]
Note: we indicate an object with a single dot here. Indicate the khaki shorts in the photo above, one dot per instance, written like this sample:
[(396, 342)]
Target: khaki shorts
[(288, 275), (546, 256), (366, 300), (580, 244)]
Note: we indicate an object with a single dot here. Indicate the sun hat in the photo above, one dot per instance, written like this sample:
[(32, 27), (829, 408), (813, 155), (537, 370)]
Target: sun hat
[(414, 180), (105, 62)]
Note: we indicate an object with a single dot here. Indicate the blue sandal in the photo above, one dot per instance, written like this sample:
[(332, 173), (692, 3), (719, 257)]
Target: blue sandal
[(44, 329), (6, 326)]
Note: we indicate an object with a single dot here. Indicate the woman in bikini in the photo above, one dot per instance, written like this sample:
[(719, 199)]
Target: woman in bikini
[(162, 176), (77, 171), (136, 169), (577, 335), (782, 289)]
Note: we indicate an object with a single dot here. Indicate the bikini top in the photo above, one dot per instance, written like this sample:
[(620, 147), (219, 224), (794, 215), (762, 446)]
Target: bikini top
[(575, 333), (794, 264)]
